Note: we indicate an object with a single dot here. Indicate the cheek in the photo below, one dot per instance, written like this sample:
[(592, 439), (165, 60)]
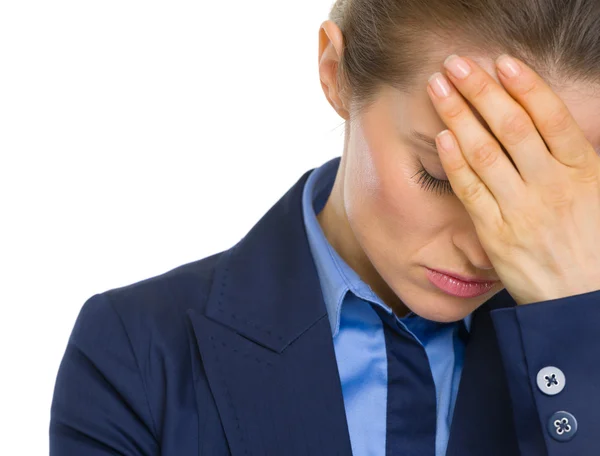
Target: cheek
[(379, 187), (402, 208), (367, 179)]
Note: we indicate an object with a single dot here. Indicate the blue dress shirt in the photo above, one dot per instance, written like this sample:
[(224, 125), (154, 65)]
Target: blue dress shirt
[(381, 358)]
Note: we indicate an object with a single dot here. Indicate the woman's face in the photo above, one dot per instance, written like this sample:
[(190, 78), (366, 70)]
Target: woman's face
[(390, 225), (401, 223)]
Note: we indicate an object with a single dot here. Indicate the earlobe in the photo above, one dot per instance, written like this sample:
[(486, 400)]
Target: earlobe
[(328, 74)]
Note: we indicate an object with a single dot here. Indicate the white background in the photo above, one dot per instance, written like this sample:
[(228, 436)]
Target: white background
[(136, 137)]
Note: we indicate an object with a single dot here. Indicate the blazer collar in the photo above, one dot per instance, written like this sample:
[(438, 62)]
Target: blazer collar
[(266, 287)]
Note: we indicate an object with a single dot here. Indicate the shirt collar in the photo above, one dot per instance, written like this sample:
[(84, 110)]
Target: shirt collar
[(335, 275)]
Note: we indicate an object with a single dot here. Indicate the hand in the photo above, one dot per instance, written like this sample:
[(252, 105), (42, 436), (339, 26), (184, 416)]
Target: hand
[(539, 218)]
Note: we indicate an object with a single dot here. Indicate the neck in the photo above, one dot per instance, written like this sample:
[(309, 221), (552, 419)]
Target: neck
[(337, 230)]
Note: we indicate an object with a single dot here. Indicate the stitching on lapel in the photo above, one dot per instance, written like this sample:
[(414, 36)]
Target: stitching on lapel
[(240, 434), (253, 323)]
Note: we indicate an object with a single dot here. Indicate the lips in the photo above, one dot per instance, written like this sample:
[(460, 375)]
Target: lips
[(457, 287), (463, 277)]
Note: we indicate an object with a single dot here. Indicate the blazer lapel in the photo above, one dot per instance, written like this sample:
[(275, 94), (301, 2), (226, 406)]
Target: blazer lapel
[(483, 422), (266, 343)]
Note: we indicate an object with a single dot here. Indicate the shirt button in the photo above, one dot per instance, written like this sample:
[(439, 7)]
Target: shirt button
[(562, 426), (551, 380)]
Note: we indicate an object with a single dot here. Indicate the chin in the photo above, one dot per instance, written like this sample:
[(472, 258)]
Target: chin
[(442, 315), (443, 308)]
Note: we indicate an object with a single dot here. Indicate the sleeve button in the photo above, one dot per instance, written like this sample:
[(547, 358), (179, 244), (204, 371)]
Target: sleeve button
[(551, 380), (562, 426)]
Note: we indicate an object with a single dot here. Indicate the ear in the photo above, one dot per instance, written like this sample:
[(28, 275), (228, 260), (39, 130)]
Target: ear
[(331, 45)]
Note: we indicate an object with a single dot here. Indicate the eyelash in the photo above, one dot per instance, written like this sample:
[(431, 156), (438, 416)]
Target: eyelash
[(430, 183)]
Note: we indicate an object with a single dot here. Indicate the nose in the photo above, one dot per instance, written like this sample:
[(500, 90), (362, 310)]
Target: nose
[(468, 243)]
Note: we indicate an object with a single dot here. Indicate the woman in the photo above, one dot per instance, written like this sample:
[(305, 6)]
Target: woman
[(340, 324)]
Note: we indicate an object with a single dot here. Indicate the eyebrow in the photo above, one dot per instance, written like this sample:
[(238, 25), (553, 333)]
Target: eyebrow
[(426, 140), (430, 141)]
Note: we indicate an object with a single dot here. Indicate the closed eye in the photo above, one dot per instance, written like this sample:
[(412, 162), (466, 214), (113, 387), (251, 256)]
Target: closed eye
[(430, 183)]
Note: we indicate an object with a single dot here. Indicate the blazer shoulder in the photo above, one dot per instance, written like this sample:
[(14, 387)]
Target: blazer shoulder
[(127, 355), (152, 312), (172, 292)]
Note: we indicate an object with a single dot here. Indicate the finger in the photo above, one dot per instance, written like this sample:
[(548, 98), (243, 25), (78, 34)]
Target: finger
[(507, 119), (466, 184), (560, 131), (481, 151)]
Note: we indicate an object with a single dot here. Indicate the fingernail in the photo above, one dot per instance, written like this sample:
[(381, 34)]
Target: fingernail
[(446, 140), (439, 85), (458, 67), (509, 67)]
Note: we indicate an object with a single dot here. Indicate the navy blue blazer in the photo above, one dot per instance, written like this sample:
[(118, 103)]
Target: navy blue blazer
[(233, 355)]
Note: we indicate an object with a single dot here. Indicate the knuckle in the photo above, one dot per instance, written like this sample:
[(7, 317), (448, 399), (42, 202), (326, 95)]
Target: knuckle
[(528, 220), (485, 154), (472, 192), (561, 200), (456, 111), (557, 123), (559, 194), (529, 89), (590, 175), (481, 88), (515, 128), (580, 160), (456, 167)]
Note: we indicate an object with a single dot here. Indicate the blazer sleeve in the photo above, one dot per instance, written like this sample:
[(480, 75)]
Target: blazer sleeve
[(99, 406), (560, 415)]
